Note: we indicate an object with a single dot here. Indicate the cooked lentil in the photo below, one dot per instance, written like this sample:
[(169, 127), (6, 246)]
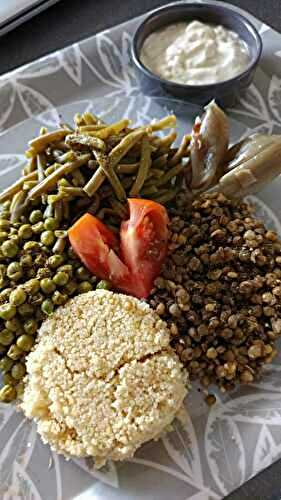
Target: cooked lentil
[(219, 291)]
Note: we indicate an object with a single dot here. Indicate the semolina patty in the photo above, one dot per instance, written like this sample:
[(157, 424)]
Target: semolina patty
[(102, 378)]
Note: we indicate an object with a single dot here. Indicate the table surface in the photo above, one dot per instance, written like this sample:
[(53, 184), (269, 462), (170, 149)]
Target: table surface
[(72, 20)]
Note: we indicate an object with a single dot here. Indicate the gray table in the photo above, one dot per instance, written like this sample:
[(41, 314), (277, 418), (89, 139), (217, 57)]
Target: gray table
[(73, 20)]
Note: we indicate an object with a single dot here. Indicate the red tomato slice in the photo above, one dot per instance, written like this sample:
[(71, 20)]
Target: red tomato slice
[(144, 239), (96, 244), (132, 266)]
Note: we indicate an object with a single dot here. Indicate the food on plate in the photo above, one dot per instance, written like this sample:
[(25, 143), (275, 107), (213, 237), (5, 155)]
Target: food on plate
[(88, 213), (195, 53), (220, 291), (132, 264), (102, 378)]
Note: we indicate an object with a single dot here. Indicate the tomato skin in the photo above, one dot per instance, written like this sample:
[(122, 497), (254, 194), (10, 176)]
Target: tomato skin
[(132, 265), (96, 245), (144, 240)]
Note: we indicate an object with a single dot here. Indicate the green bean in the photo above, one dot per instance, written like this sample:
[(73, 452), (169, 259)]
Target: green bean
[(180, 152), (86, 140), (29, 185), (42, 141), (90, 128), (65, 157), (58, 211), (89, 118), (169, 121), (160, 161), (148, 190), (119, 208), (163, 144), (127, 168), (114, 158), (60, 172), (65, 207), (145, 163), (173, 172), (72, 191), (41, 164), (78, 178), (165, 196), (113, 129), (18, 205), (9, 192)]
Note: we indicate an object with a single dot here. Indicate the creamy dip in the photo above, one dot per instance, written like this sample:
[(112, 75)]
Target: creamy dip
[(195, 53)]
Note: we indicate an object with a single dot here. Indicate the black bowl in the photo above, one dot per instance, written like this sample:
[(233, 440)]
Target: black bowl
[(226, 92)]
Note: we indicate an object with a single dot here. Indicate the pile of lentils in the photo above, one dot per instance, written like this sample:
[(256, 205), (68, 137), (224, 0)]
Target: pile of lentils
[(38, 272), (220, 291)]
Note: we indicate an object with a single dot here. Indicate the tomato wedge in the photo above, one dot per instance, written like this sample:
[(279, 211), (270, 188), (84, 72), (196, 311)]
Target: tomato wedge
[(144, 239), (134, 263), (96, 246)]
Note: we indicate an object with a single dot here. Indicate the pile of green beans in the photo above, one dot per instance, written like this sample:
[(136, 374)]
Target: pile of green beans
[(93, 167)]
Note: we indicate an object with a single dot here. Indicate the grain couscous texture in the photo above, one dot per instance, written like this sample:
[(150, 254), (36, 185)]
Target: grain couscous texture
[(102, 378)]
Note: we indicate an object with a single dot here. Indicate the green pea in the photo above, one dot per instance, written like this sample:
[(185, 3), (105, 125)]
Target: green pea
[(8, 379), (6, 364), (13, 231), (31, 246), (35, 216), (6, 205), (37, 299), (7, 311), (30, 326), (61, 278), (55, 261), (47, 238), (103, 285), (81, 273), (4, 224), (47, 286), (51, 224), (84, 287), (25, 232), (47, 307), (38, 227), (18, 371), (26, 261), (5, 294), (15, 239), (20, 389), (66, 268), (8, 393), (40, 261), (13, 324), (32, 286), (17, 297), (6, 337), (3, 236), (9, 248), (26, 310), (25, 342), (14, 352), (70, 287), (31, 273), (59, 298), (14, 271)]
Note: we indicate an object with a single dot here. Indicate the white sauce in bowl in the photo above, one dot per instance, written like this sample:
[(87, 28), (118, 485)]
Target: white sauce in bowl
[(195, 53)]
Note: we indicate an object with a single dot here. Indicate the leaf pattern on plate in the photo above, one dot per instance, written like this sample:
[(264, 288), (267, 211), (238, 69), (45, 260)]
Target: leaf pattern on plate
[(107, 474), (7, 100), (259, 408), (266, 451), (182, 446), (224, 446), (10, 162), (42, 67), (253, 105), (274, 97), (271, 379), (37, 105), (70, 60)]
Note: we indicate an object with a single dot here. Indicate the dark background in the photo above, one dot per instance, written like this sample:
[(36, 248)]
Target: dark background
[(73, 20)]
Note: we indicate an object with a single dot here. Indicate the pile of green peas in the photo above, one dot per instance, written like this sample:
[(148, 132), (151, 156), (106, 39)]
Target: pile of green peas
[(38, 272)]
